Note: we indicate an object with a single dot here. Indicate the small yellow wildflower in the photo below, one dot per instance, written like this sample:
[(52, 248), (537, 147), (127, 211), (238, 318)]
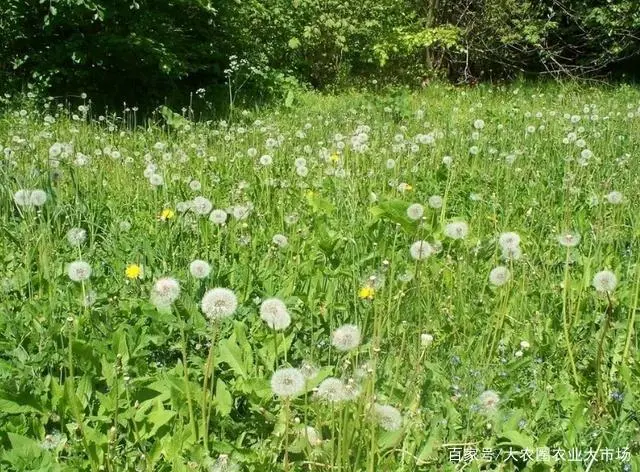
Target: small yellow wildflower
[(408, 188), (366, 292), (334, 157), (133, 271), (167, 214), (310, 194)]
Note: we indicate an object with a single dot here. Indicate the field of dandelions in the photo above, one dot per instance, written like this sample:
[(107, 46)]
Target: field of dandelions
[(446, 280)]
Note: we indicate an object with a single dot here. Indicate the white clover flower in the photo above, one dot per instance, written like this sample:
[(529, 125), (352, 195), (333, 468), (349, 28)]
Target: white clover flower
[(604, 281), (499, 276), (219, 303), (456, 230), (201, 205), (415, 211), (388, 417), (346, 337), (569, 239), (79, 271), (488, 401), (435, 201), (287, 382), (76, 236), (164, 292), (218, 217), (420, 250), (331, 390), (200, 269), (280, 240), (274, 312)]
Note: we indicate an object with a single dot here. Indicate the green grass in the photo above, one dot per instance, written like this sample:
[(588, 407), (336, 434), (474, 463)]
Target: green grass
[(119, 385)]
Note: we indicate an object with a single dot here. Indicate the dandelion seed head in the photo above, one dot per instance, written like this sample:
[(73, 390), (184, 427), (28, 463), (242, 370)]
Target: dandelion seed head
[(165, 291), (219, 303), (287, 382), (346, 337), (420, 250), (79, 271), (274, 312), (604, 281), (388, 417), (199, 269), (499, 276)]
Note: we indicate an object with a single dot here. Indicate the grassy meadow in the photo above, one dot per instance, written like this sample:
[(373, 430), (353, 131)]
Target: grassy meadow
[(442, 280)]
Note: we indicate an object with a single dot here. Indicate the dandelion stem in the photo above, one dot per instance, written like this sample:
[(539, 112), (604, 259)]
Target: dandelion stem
[(565, 320), (632, 316), (185, 371), (209, 371), (600, 351)]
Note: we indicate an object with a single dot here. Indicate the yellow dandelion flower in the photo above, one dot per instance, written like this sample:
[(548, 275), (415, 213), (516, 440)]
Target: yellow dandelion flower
[(409, 188), (167, 214), (334, 157), (366, 292), (133, 271)]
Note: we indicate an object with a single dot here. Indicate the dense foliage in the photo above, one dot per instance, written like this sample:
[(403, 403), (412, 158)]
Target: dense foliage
[(126, 48)]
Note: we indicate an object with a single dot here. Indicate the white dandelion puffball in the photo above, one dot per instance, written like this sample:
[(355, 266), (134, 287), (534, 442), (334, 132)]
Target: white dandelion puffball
[(164, 292), (478, 124), (201, 205), (156, 180), (426, 339), (76, 236), (225, 464), (499, 276), (415, 211), (312, 435), (346, 337), (274, 312), (420, 250), (280, 240), (22, 198), (287, 382), (488, 401), (38, 197), (219, 303), (614, 198), (199, 269), (604, 281), (569, 239), (331, 390), (79, 271), (218, 217), (511, 253), (388, 417), (509, 240), (435, 201), (266, 160), (456, 230), (195, 185)]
